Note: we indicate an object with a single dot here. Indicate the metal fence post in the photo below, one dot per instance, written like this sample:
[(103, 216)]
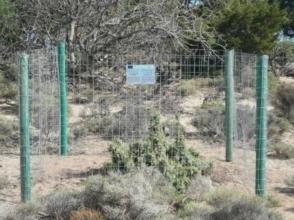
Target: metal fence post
[(63, 99), (230, 103), (261, 122), (25, 149)]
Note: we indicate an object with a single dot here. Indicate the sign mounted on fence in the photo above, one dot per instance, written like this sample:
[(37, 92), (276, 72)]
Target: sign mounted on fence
[(141, 74)]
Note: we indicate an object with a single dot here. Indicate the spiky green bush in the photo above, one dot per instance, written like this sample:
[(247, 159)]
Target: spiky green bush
[(177, 162)]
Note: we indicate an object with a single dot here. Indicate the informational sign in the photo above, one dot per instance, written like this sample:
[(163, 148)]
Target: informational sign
[(141, 74)]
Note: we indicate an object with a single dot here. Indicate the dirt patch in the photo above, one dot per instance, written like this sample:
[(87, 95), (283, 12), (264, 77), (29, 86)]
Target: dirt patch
[(52, 172), (240, 173)]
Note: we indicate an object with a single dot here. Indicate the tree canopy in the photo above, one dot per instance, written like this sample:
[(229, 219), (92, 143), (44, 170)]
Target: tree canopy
[(120, 25), (289, 27), (250, 26)]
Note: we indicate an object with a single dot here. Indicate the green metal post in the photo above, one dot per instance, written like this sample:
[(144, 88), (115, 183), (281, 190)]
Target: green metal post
[(25, 151), (230, 103), (261, 122), (63, 99)]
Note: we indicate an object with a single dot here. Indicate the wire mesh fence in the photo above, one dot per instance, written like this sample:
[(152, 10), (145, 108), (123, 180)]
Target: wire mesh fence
[(115, 125)]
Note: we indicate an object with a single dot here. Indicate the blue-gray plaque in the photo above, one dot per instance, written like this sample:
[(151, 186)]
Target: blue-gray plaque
[(141, 74)]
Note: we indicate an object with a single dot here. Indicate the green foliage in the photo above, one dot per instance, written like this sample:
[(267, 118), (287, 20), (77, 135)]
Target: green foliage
[(245, 209), (250, 26), (146, 194), (273, 83), (282, 150), (9, 136), (283, 53), (61, 204), (87, 214), (289, 27), (222, 197), (9, 29), (188, 87), (277, 125), (272, 201), (26, 212), (177, 162), (128, 122), (209, 120), (7, 11), (284, 101), (138, 194), (290, 181), (4, 183), (191, 86), (8, 90), (8, 84), (231, 204)]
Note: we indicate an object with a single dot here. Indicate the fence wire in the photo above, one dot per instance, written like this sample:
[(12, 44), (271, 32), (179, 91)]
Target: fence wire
[(103, 109)]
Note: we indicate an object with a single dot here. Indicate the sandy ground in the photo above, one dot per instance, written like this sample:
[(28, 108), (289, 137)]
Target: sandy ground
[(51, 172), (240, 174)]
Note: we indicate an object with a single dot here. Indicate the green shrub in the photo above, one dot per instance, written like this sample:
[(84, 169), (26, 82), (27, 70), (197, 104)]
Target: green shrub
[(233, 205), (178, 163), (195, 211), (290, 181), (171, 127), (61, 204), (283, 53), (139, 194), (248, 92), (272, 201), (86, 214), (8, 90), (4, 183), (273, 83), (245, 209), (85, 95), (130, 122), (222, 197), (284, 101), (191, 86), (277, 125), (210, 122), (282, 150), (25, 212), (9, 136), (188, 87), (8, 83)]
